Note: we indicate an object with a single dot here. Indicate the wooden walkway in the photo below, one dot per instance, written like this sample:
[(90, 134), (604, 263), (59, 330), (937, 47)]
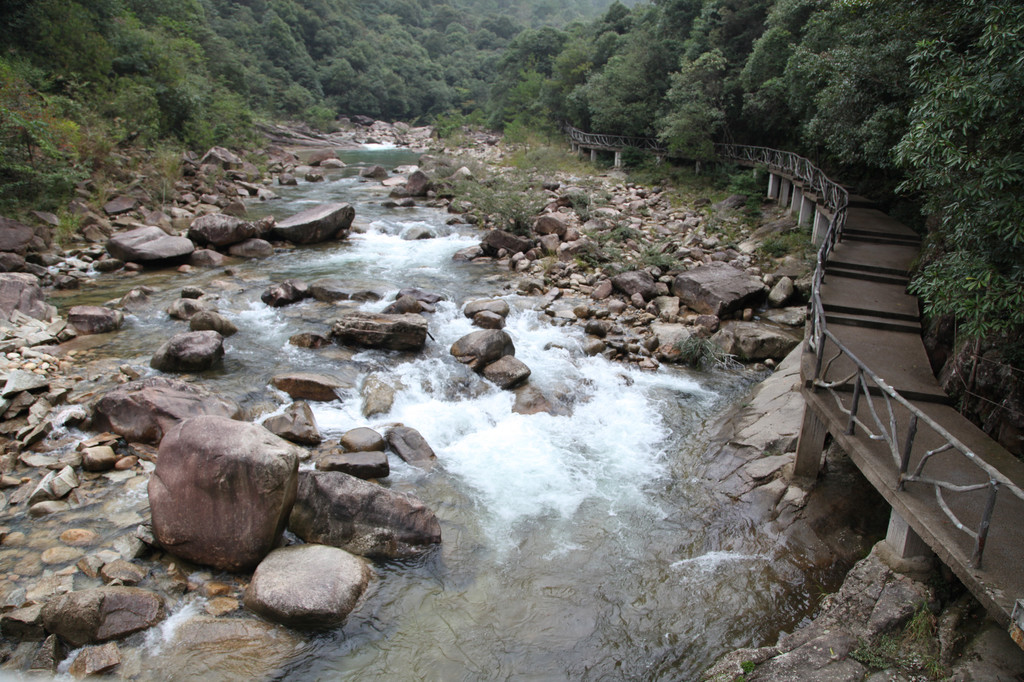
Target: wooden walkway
[(869, 311)]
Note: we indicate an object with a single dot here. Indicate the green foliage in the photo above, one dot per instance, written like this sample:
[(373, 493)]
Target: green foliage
[(795, 242), (700, 352), (913, 651), (509, 201)]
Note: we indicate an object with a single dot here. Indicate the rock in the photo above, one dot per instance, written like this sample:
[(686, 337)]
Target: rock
[(184, 308), (252, 248), (485, 319), (733, 201), (670, 335), (336, 509), (206, 258), (309, 340), (507, 372), (425, 297), (417, 232), (95, 660), (20, 381), (495, 240), (318, 156), (119, 205), (189, 352), (717, 289), (323, 223), (418, 185), (297, 424), (24, 624), (378, 397), (550, 225), (602, 291), (404, 304), (496, 306), (287, 180), (224, 158), (285, 293), (122, 571), (20, 291), (781, 293), (376, 330), (636, 282), (99, 458), (314, 176), (219, 229), (49, 655), (222, 491), (530, 400), (91, 319), (307, 586), (365, 465), (362, 439), (148, 245), (479, 349), (549, 243), (310, 386), (330, 290), (409, 444), (208, 320), (755, 341), (374, 173), (102, 613), (15, 237)]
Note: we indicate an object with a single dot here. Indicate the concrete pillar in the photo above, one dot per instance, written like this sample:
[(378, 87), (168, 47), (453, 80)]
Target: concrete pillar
[(810, 444), (618, 159), (659, 159), (773, 185), (785, 187), (798, 197), (821, 221), (902, 539), (593, 156), (806, 211)]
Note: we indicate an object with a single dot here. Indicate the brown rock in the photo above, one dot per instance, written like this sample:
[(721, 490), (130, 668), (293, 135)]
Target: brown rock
[(507, 372), (189, 352), (79, 537), (330, 221), (409, 444), (310, 386), (101, 614), (296, 424), (550, 225), (717, 289), (95, 660), (123, 571), (362, 439), (91, 319), (364, 465), (376, 330), (479, 349)]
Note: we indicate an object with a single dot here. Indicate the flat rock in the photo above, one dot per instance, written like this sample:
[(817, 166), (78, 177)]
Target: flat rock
[(20, 291), (753, 341), (362, 439), (376, 330), (148, 244), (507, 372), (219, 229), (322, 223), (717, 289), (364, 465), (410, 445), (310, 386), (91, 319), (101, 614)]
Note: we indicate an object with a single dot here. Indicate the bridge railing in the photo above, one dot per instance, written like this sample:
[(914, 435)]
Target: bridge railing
[(615, 142), (882, 423)]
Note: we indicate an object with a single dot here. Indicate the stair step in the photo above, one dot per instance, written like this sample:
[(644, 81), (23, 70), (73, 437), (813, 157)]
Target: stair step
[(873, 322), (884, 314), (879, 238), (864, 267), (866, 276)]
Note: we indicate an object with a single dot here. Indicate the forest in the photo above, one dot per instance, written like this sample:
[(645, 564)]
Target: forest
[(918, 101)]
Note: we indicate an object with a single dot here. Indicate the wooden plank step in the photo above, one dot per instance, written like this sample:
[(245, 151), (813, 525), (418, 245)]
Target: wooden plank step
[(867, 276), (873, 322)]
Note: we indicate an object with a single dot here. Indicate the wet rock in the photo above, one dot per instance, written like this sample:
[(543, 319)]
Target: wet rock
[(49, 655), (307, 586), (409, 444), (781, 292), (479, 349), (148, 245), (636, 282), (79, 537), (403, 305), (531, 400), (322, 223), (314, 176), (124, 572), (208, 320), (206, 258), (374, 173), (362, 439), (185, 308), (20, 291), (376, 330), (318, 156), (189, 352), (364, 518), (287, 180), (418, 184), (468, 254), (496, 240), (101, 614), (221, 491), (753, 341), (495, 306), (309, 340), (24, 624), (285, 293), (717, 289), (95, 660), (143, 411), (219, 229), (364, 465), (485, 319), (310, 386), (252, 248), (90, 319), (507, 372), (54, 485), (296, 424), (330, 290), (378, 396)]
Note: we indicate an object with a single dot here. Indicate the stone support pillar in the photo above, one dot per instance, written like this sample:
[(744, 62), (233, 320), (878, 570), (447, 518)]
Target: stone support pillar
[(821, 221), (773, 185), (798, 198), (785, 187), (806, 211), (618, 159), (902, 539), (810, 445), (593, 156)]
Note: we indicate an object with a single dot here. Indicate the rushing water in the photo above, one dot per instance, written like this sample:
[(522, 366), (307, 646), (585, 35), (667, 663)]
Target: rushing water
[(582, 546)]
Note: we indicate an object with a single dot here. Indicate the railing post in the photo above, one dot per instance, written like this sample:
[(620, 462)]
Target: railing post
[(905, 454), (986, 519)]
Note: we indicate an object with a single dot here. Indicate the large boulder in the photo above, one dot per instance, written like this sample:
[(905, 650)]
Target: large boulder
[(219, 229), (222, 491), (497, 306), (285, 293), (310, 385), (210, 320), (362, 439), (718, 289), (496, 240), (21, 291), (549, 224), (102, 614), (319, 224), (479, 349), (148, 245), (307, 586), (753, 341), (219, 156), (636, 282), (418, 185), (333, 508), (92, 319), (377, 330), (143, 411), (189, 352), (507, 372), (296, 424), (15, 237), (410, 445)]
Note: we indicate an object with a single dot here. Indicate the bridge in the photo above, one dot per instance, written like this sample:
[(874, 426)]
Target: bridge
[(868, 385)]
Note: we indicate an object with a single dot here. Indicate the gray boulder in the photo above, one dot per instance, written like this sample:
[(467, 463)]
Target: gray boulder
[(362, 439), (718, 289), (143, 411), (496, 240), (754, 341), (102, 614), (21, 291), (307, 586), (252, 248), (296, 424), (219, 229), (209, 320), (550, 225), (285, 293), (496, 306), (507, 372), (148, 245), (310, 386), (189, 352), (336, 509), (636, 282), (410, 445), (479, 349), (222, 491), (319, 224), (219, 156), (377, 330), (92, 319)]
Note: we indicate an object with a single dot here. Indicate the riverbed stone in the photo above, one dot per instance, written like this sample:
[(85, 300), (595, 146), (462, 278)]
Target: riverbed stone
[(102, 613), (91, 319), (479, 349), (364, 465), (507, 372), (336, 509), (498, 240), (310, 386), (210, 320), (329, 290), (20, 291), (362, 439), (285, 293), (781, 292), (220, 229), (496, 306), (122, 571), (402, 305), (206, 258), (95, 660), (296, 424), (221, 491), (752, 341), (307, 586), (319, 224), (410, 445), (143, 411), (376, 330), (378, 396), (636, 282), (718, 289), (189, 352), (148, 245), (252, 248), (24, 624), (185, 308)]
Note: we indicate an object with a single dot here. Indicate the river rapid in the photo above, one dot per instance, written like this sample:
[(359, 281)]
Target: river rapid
[(589, 545)]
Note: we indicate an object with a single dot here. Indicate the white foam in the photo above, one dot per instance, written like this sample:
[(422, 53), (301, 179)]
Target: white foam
[(714, 560), (158, 636)]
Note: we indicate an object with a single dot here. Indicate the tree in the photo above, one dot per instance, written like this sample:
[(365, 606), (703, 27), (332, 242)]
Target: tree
[(694, 105)]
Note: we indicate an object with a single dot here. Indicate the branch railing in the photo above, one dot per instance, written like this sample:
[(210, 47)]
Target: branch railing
[(883, 420)]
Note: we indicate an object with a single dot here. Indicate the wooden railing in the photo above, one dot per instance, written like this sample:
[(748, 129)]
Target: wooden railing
[(614, 142)]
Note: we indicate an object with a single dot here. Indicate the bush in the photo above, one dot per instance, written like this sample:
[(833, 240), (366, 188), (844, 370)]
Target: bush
[(510, 201)]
